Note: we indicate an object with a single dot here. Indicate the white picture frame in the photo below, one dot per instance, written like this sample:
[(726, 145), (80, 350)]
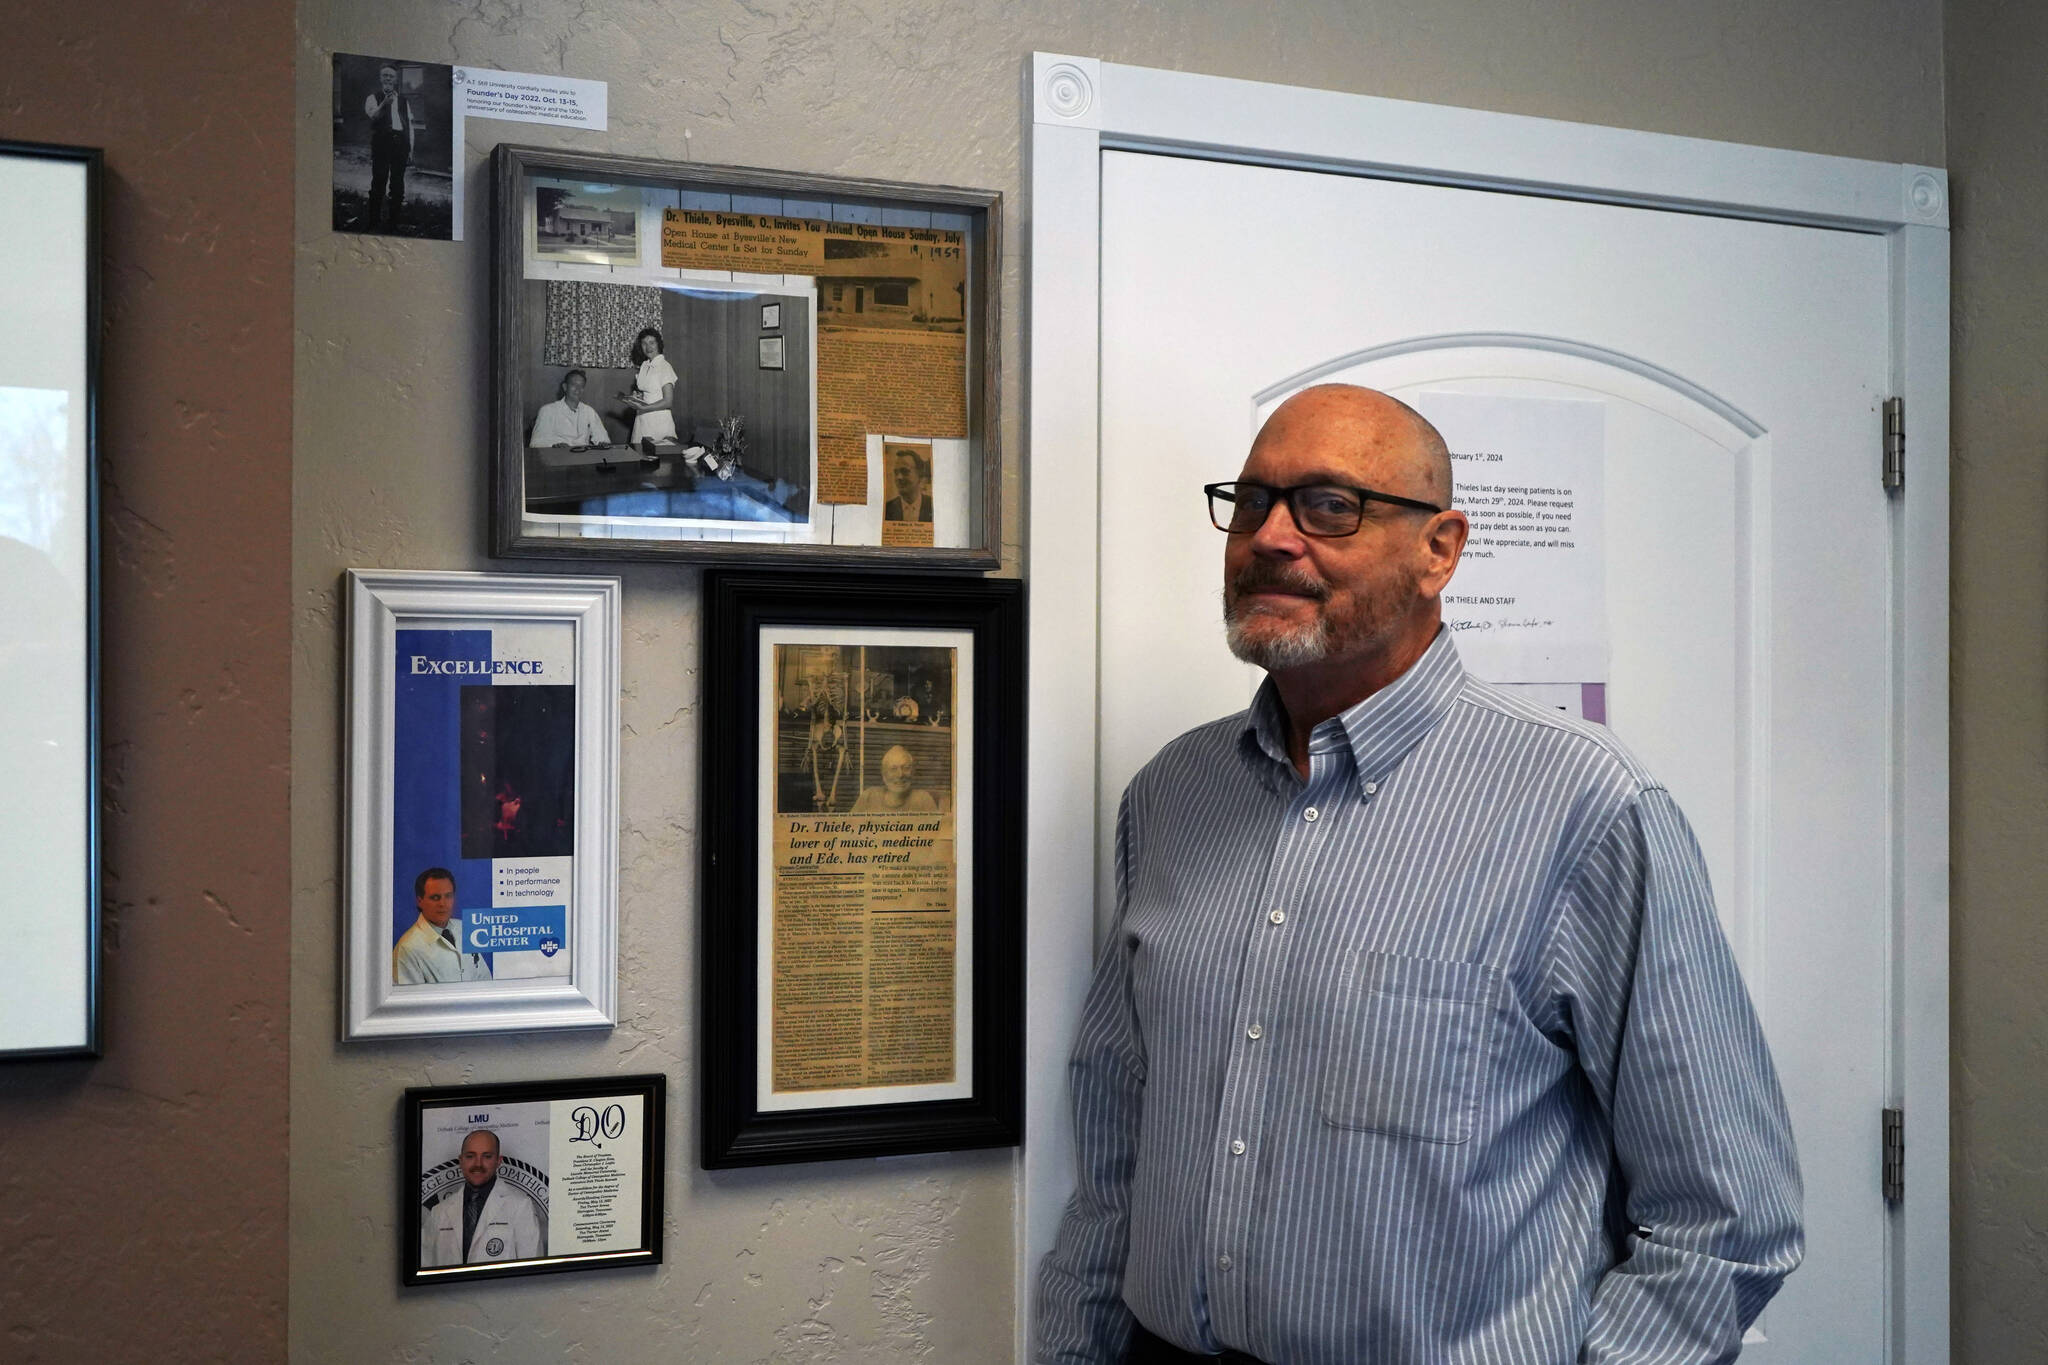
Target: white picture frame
[(537, 658)]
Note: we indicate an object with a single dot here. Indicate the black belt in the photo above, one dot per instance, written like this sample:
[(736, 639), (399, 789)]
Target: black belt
[(1150, 1349)]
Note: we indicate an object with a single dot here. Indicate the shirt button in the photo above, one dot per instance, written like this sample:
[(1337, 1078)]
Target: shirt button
[(1311, 815), (1237, 1146), (1256, 1031), (1277, 916), (1224, 1262), (1371, 787)]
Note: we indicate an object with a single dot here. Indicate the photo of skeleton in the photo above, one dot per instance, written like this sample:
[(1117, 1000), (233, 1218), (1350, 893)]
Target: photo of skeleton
[(863, 729)]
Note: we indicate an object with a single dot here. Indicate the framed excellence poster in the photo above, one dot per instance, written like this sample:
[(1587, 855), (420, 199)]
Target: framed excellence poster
[(481, 887)]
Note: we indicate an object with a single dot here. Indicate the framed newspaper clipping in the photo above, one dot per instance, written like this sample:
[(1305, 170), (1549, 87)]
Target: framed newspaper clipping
[(862, 916), (483, 772), (530, 1178), (720, 364)]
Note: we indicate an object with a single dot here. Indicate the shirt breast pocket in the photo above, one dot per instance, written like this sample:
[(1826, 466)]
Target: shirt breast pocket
[(1407, 1045)]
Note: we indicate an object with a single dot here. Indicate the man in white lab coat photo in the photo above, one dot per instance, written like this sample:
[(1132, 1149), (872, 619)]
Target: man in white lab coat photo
[(484, 1219)]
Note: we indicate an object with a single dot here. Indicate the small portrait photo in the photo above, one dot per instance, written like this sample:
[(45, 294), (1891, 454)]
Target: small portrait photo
[(483, 1184), (864, 729), (907, 467), (394, 147), (596, 224), (433, 948)]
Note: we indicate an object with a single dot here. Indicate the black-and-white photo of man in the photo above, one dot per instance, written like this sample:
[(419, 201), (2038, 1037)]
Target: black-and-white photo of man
[(392, 126), (393, 147), (910, 475), (569, 421)]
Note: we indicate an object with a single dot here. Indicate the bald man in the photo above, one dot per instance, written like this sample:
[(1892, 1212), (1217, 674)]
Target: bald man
[(899, 791), (1416, 1038), (483, 1219)]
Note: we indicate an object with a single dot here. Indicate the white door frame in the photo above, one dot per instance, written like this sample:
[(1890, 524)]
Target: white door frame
[(1083, 107)]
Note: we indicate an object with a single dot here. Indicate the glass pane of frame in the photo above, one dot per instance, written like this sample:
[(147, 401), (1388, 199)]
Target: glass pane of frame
[(49, 600)]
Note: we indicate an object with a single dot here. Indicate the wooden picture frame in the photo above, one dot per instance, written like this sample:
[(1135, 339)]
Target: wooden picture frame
[(50, 290), (482, 803), (862, 942), (644, 285), (570, 1176)]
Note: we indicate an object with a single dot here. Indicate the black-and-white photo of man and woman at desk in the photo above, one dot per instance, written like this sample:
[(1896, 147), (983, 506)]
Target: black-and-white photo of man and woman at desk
[(652, 402)]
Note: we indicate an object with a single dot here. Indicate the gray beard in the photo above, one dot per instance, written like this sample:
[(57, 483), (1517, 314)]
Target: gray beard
[(1308, 645), (1370, 623)]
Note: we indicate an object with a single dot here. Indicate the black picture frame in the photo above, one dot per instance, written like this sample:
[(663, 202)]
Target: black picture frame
[(28, 973), (584, 1101), (743, 610), (629, 501)]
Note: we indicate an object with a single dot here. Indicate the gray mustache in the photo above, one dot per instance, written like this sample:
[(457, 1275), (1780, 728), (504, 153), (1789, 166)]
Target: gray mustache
[(1260, 575)]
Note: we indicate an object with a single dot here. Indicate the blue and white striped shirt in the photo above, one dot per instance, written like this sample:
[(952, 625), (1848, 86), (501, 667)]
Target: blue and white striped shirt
[(1437, 1057)]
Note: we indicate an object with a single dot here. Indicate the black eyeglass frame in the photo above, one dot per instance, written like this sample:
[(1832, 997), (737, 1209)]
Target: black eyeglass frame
[(1228, 492)]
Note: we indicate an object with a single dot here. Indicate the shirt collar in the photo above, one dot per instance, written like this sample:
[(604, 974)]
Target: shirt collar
[(1380, 731)]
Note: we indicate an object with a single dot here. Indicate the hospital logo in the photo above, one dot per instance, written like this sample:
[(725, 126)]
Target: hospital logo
[(548, 947)]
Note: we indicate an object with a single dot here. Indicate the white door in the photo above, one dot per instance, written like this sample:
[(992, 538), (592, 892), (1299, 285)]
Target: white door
[(1742, 368)]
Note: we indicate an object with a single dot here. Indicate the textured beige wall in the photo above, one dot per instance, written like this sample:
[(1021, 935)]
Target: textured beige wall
[(1998, 138), (900, 1260)]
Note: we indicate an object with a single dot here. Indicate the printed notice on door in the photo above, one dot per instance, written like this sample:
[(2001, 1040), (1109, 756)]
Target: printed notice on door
[(863, 948), (1529, 599)]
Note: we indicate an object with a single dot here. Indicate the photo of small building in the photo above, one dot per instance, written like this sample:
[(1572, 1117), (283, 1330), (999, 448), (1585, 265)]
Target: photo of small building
[(599, 224), (877, 284)]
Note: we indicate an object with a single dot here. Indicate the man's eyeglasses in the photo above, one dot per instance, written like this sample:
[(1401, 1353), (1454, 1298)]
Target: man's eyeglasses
[(1318, 509)]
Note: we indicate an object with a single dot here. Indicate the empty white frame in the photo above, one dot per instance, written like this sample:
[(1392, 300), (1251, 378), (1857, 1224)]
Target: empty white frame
[(49, 600)]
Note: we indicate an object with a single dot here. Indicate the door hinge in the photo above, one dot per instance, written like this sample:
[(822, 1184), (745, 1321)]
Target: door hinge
[(1894, 444), (1894, 1155)]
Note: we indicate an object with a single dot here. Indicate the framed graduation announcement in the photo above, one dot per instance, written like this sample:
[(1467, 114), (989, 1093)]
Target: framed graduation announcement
[(531, 1177), (718, 363), (862, 963)]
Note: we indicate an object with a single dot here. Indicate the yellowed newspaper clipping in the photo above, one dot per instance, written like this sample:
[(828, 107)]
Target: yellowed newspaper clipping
[(892, 322), (842, 468), (865, 903)]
